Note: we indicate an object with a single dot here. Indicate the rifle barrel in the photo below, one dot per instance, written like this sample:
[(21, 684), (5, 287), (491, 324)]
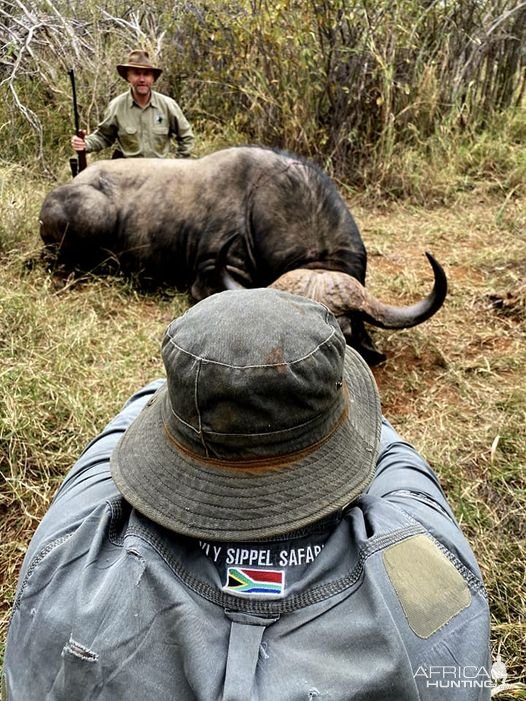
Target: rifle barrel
[(74, 92), (81, 155)]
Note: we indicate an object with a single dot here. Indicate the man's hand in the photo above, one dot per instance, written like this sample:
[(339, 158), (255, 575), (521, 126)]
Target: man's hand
[(77, 141)]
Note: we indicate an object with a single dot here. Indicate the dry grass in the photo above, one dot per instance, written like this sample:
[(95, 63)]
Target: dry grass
[(453, 386)]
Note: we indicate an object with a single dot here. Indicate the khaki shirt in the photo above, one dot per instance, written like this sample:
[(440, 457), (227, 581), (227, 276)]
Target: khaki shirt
[(142, 132)]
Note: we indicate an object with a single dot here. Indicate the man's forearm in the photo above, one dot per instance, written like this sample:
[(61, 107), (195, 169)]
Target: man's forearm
[(97, 141)]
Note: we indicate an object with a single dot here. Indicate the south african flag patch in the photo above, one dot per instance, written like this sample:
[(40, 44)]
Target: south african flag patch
[(242, 580)]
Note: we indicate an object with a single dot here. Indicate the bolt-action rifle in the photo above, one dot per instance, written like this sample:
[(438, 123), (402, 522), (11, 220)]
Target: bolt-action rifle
[(79, 163)]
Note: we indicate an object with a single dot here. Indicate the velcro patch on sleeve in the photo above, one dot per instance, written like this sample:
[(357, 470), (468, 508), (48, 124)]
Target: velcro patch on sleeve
[(430, 589)]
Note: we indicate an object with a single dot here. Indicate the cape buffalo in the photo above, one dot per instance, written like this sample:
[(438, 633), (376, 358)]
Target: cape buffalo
[(166, 220)]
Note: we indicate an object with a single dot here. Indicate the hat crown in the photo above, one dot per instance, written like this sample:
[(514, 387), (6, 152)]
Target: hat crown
[(138, 58), (253, 435), (243, 390)]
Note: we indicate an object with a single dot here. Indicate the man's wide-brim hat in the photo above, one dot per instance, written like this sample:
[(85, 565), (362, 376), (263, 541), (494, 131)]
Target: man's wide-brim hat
[(266, 424), (138, 59)]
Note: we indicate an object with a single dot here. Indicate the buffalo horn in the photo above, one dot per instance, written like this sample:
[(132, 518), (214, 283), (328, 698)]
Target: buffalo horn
[(343, 294)]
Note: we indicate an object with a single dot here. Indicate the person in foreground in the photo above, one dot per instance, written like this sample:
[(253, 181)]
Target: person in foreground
[(141, 122), (250, 528)]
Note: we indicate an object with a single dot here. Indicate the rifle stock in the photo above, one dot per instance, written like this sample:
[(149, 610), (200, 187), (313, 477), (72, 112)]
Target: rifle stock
[(77, 164), (82, 161)]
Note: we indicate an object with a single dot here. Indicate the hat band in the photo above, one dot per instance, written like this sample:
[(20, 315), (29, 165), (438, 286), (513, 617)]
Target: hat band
[(253, 465), (146, 66)]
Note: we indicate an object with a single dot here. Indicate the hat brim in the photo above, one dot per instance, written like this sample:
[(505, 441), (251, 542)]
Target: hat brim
[(122, 69), (208, 499)]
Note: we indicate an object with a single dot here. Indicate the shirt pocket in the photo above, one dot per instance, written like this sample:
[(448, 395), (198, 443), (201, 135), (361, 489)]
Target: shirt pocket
[(129, 139), (80, 669), (161, 136)]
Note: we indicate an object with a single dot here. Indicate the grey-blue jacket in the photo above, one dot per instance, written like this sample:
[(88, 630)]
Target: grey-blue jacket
[(384, 601)]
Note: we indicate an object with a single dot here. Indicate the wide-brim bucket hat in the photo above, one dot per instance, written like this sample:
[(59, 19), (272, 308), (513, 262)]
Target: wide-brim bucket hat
[(138, 59), (266, 424)]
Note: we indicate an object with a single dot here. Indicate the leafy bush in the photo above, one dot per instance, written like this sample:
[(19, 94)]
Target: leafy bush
[(348, 83)]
